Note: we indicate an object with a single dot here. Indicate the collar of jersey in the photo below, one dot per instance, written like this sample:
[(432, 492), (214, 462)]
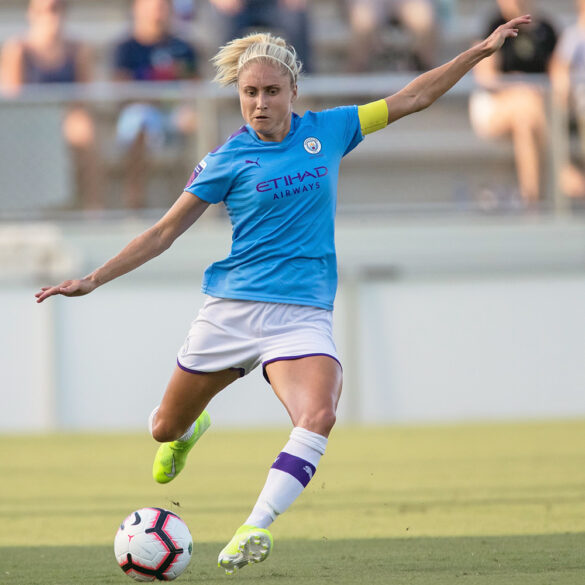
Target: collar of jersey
[(294, 123)]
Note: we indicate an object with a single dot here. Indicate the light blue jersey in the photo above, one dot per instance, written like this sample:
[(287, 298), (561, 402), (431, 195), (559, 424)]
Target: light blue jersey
[(281, 198)]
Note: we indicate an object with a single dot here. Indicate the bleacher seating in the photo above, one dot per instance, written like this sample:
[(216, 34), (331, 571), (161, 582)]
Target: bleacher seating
[(431, 158)]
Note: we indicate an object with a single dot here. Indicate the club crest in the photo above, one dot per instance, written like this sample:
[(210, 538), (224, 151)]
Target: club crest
[(312, 145)]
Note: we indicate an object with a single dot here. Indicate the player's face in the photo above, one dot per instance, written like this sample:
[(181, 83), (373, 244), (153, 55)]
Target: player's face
[(266, 100)]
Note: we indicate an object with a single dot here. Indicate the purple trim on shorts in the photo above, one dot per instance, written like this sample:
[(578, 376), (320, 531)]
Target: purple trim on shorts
[(300, 469), (240, 370), (294, 357)]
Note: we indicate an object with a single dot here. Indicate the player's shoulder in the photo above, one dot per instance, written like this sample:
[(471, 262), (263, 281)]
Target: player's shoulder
[(330, 120), (238, 140), (326, 116)]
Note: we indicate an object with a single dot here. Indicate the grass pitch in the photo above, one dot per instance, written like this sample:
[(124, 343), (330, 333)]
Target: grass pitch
[(474, 504)]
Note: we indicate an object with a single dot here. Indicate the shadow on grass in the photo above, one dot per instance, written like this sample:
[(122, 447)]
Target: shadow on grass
[(509, 560)]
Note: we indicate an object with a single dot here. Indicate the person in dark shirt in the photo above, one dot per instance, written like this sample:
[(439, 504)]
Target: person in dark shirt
[(531, 50), (290, 17), (151, 53), (509, 104), (167, 60)]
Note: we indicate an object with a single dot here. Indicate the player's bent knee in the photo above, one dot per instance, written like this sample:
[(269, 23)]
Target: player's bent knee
[(320, 422)]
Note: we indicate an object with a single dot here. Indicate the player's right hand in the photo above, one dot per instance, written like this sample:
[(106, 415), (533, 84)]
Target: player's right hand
[(68, 288), (505, 31)]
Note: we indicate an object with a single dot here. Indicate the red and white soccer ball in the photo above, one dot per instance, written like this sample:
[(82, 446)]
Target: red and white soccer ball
[(153, 543)]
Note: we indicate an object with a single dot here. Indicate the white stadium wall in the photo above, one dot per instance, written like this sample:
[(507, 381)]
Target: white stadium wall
[(446, 320)]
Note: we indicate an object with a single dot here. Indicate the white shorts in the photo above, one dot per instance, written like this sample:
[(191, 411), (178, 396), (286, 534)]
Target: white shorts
[(233, 334)]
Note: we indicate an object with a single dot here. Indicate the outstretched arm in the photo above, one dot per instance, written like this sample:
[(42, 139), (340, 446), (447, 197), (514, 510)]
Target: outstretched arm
[(155, 240), (428, 87)]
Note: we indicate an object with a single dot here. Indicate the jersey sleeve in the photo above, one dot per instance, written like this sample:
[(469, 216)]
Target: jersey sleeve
[(211, 179), (346, 122), (353, 129)]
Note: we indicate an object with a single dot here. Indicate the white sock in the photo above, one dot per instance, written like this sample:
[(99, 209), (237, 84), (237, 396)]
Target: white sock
[(151, 418), (290, 473), (188, 433), (185, 437)]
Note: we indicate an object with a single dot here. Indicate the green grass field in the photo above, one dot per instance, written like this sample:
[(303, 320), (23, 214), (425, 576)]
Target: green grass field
[(471, 504)]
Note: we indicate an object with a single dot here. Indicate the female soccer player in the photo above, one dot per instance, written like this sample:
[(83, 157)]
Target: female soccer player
[(270, 301)]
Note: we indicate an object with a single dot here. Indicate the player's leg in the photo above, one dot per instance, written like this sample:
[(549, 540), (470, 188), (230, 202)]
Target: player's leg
[(180, 419), (309, 388)]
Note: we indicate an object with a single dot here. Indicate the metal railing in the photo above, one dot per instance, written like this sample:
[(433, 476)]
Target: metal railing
[(211, 103)]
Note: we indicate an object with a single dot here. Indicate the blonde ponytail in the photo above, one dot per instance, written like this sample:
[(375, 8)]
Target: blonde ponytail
[(266, 47)]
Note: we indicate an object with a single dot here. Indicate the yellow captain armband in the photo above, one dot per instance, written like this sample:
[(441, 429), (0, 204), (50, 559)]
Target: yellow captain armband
[(373, 116)]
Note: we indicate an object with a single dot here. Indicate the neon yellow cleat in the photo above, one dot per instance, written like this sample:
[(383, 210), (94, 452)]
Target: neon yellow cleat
[(171, 457), (249, 545)]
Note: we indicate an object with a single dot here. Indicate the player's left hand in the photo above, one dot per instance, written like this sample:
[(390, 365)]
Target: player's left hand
[(506, 31)]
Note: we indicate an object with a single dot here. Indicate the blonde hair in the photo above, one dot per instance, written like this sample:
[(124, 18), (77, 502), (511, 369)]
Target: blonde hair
[(265, 47)]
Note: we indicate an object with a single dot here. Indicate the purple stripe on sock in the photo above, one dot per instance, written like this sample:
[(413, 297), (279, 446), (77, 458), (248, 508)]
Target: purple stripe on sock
[(240, 370), (299, 468), (293, 357)]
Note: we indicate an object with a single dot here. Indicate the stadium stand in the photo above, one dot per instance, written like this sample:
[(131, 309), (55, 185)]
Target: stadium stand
[(433, 159)]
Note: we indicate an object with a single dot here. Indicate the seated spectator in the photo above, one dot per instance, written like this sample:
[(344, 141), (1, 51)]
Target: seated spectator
[(184, 10), (151, 53), (45, 55), (368, 18), (289, 17), (510, 105), (568, 79)]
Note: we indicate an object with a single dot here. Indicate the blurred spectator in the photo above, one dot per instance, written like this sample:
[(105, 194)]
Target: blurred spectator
[(368, 18), (510, 105), (184, 9), (151, 53), (289, 17), (568, 78), (45, 55)]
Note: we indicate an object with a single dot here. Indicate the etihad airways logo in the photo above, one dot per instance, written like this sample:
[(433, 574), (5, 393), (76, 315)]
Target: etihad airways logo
[(295, 180)]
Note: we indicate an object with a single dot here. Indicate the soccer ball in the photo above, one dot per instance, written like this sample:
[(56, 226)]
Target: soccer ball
[(153, 543)]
